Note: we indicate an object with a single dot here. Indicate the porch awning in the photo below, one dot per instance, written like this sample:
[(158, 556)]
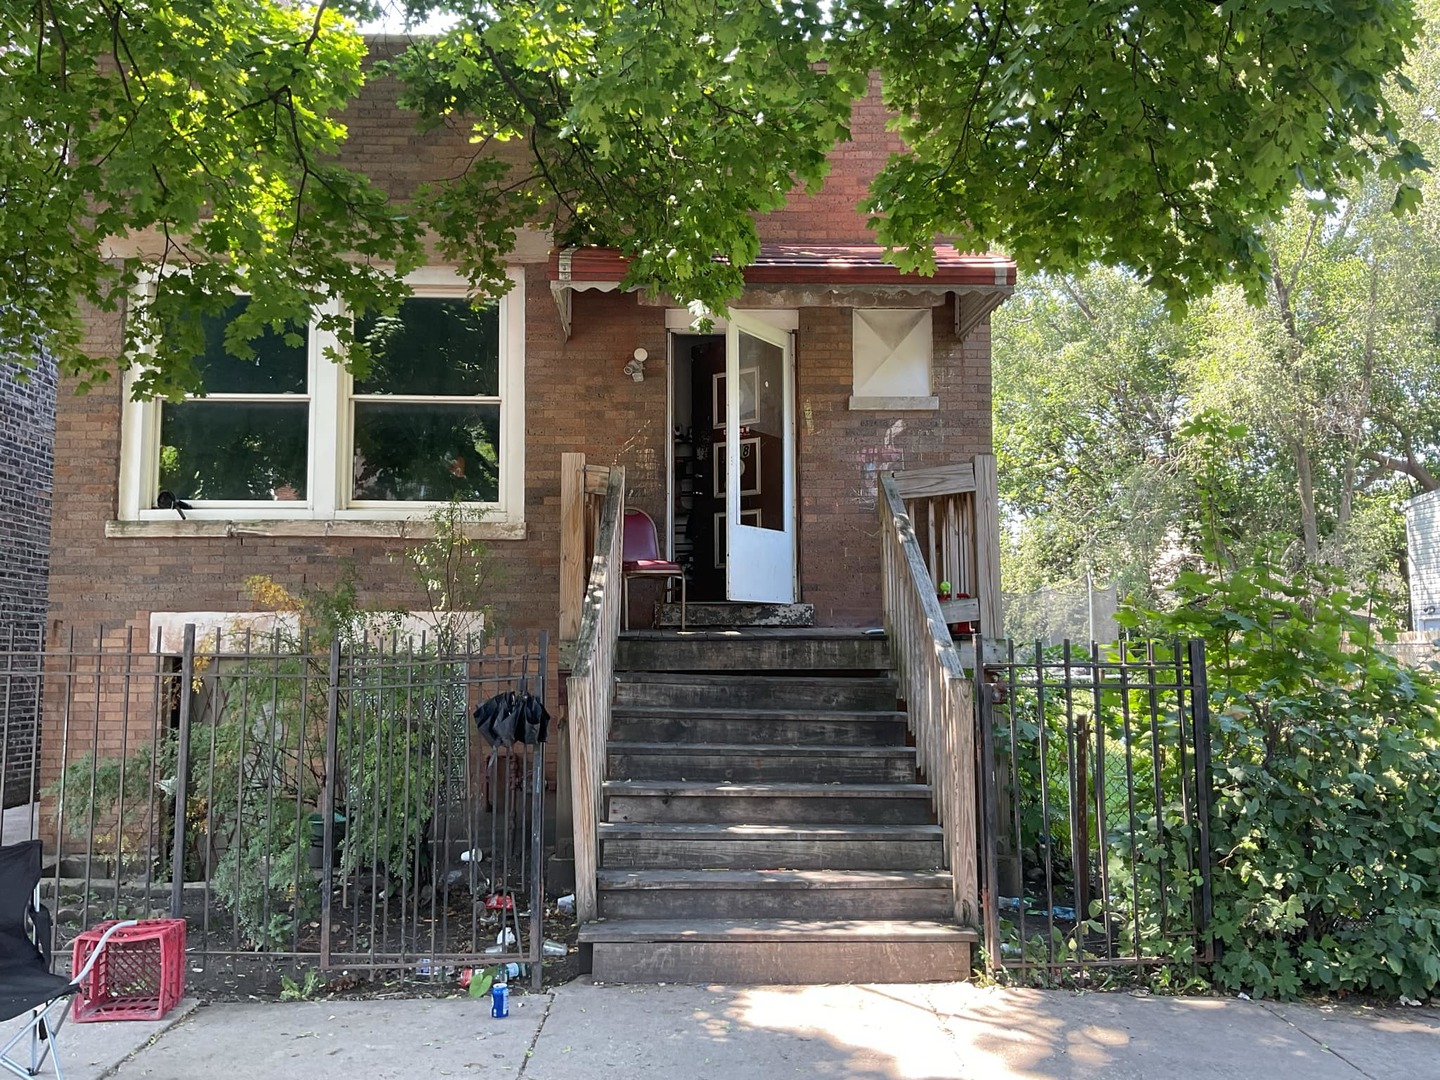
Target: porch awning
[(980, 282)]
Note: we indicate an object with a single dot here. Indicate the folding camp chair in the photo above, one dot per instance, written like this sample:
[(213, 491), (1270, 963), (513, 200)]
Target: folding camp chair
[(26, 983)]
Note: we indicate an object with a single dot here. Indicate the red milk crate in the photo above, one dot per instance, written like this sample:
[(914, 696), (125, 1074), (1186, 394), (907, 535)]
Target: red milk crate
[(139, 976)]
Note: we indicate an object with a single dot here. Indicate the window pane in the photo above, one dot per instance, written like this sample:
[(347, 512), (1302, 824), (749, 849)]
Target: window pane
[(277, 368), (442, 347), (234, 450), (762, 412), (431, 453)]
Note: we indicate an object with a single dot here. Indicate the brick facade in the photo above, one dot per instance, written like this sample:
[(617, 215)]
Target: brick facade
[(576, 399), (27, 432)]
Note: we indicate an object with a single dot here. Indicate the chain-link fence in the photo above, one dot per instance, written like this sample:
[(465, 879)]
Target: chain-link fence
[(1080, 610)]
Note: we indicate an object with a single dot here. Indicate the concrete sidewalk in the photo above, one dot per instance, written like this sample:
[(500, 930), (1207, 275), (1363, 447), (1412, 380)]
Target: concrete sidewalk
[(727, 1033)]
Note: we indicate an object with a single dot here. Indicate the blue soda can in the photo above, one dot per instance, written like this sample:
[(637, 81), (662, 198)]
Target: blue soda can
[(500, 1001)]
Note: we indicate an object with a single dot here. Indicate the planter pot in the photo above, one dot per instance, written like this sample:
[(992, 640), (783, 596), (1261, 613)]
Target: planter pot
[(316, 823)]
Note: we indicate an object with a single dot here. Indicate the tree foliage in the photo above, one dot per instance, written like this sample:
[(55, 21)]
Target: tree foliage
[(1320, 404), (205, 129), (1157, 136)]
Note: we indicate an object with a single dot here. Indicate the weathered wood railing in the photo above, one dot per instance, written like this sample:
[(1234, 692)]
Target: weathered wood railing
[(955, 514), (938, 694), (590, 688)]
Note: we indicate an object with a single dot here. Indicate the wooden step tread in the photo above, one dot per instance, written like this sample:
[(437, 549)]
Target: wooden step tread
[(724, 789), (684, 830), (752, 633), (775, 930), (691, 678), (684, 712), (758, 749), (797, 880)]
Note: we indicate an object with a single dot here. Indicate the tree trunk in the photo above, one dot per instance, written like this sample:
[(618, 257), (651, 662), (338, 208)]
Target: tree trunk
[(1306, 481)]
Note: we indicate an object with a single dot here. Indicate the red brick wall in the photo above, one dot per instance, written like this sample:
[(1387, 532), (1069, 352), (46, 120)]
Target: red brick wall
[(577, 400), (840, 451), (830, 215)]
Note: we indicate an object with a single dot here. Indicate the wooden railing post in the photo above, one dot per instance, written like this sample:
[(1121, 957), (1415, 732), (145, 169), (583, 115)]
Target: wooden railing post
[(987, 545), (573, 564), (589, 690)]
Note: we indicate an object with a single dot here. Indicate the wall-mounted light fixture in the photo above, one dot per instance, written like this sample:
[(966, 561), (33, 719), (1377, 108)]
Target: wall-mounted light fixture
[(636, 367)]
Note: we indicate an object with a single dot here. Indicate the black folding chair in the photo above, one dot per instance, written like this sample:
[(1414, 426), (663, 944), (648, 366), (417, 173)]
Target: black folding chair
[(26, 983)]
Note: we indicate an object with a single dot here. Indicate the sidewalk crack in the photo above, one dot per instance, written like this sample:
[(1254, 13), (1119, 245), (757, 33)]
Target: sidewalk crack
[(530, 1050), (1323, 1046)]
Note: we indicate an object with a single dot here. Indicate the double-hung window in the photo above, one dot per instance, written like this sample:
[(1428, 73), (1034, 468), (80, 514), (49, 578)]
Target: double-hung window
[(289, 438), (247, 441)]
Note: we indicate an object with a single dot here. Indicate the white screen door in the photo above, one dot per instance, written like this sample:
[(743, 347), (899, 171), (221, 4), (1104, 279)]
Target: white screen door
[(759, 462)]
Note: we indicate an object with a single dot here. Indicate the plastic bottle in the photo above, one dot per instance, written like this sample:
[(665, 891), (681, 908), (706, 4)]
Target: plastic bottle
[(500, 995)]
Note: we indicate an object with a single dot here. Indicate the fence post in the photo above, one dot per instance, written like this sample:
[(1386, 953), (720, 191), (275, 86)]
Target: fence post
[(182, 775), (1200, 713), (327, 801), (537, 837), (990, 818)]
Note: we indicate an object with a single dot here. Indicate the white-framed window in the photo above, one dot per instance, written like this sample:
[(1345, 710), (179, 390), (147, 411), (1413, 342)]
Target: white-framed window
[(290, 437)]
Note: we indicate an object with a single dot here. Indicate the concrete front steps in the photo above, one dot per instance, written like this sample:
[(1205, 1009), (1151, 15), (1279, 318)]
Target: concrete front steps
[(764, 823)]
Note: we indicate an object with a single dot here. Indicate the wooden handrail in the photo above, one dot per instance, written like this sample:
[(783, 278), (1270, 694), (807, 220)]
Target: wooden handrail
[(590, 688), (938, 694)]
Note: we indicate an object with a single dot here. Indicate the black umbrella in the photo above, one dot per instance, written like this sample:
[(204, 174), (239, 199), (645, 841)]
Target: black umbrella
[(511, 717)]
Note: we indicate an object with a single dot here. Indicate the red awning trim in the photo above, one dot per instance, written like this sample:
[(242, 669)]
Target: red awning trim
[(805, 264), (980, 282)]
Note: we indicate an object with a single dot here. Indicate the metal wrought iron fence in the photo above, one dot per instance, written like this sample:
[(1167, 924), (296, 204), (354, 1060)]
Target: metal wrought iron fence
[(298, 800), (1096, 808)]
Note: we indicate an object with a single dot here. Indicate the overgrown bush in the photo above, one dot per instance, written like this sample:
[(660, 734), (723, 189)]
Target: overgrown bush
[(1326, 829), (259, 731)]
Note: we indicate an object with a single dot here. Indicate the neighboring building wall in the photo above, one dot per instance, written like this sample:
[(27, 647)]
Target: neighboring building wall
[(1422, 533), (27, 433)]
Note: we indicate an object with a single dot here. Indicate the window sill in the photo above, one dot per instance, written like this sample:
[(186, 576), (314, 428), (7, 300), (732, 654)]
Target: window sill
[(894, 404), (394, 529)]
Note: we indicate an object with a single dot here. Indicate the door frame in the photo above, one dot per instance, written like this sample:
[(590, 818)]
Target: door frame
[(681, 322)]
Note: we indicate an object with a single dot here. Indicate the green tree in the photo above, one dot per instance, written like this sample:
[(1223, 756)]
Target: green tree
[(1156, 136), (1320, 402), (205, 131)]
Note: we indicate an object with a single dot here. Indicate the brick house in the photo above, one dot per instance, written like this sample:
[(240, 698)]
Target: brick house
[(832, 369), (27, 433), (909, 391)]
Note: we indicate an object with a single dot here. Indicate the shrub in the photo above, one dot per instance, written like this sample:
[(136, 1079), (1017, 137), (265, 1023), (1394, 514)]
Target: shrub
[(1326, 830)]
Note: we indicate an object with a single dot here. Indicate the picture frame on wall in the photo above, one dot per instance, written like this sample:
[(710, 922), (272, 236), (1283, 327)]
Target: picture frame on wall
[(747, 517), (749, 467), (749, 397)]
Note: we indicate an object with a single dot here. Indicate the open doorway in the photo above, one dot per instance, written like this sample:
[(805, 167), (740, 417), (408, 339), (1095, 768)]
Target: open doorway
[(751, 451), (698, 361)]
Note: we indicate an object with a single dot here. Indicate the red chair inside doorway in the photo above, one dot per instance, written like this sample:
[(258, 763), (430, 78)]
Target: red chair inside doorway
[(641, 558)]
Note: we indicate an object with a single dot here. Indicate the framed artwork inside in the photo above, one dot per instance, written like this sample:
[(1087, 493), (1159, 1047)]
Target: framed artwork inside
[(749, 467), (747, 517), (749, 397)]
